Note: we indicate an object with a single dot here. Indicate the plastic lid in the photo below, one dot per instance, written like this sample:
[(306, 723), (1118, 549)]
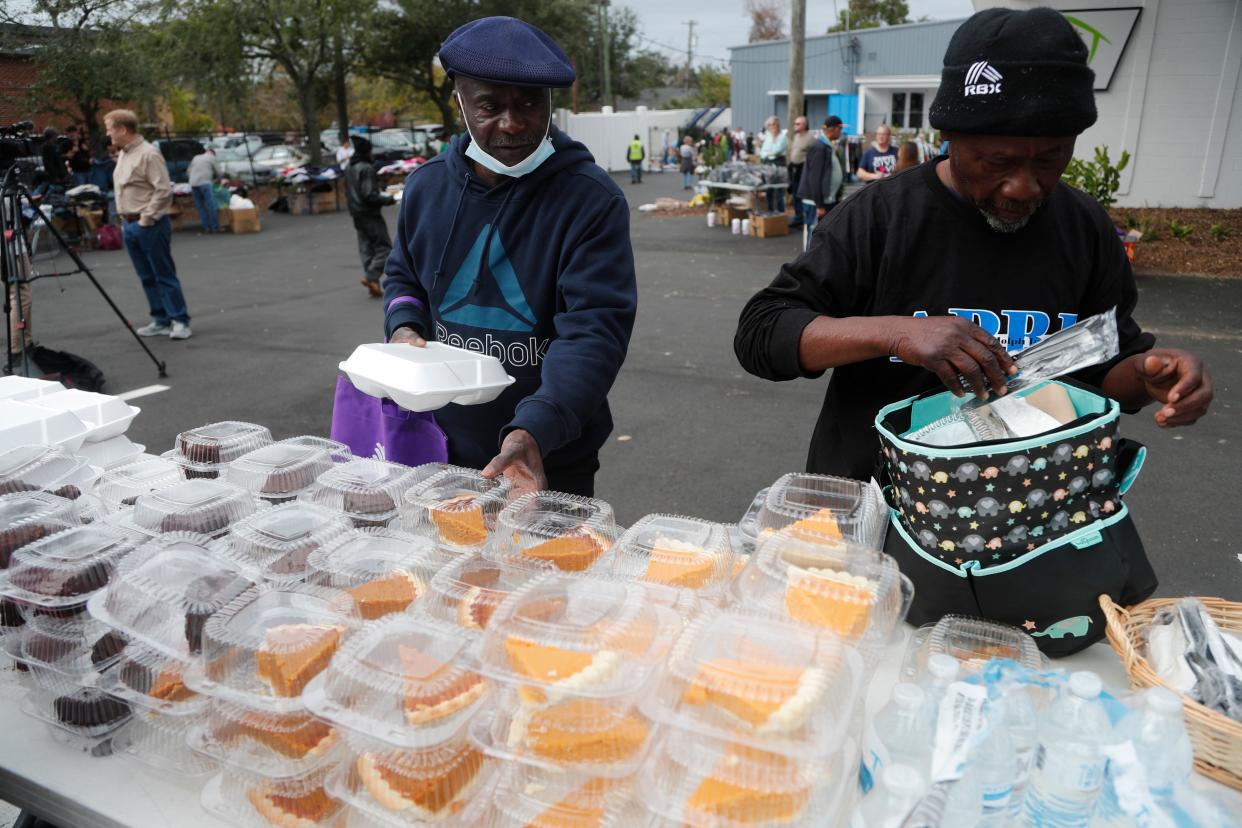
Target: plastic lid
[(468, 590), (943, 667), (533, 796), (402, 680), (279, 540), (367, 490), (1163, 701), (902, 780), (123, 485), (57, 574), (49, 468), (384, 569), (205, 448), (112, 452), (853, 591), (264, 647), (457, 507), (826, 509), (264, 743), (1085, 684), (93, 510), (282, 470), (974, 641), (559, 635), (338, 451), (149, 679), (554, 530), (207, 507), (675, 551), (908, 695), (74, 651), (82, 711), (164, 591), (25, 517)]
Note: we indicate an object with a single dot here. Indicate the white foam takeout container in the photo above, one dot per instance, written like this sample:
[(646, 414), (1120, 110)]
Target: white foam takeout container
[(106, 415), (424, 379), (25, 423), (26, 388)]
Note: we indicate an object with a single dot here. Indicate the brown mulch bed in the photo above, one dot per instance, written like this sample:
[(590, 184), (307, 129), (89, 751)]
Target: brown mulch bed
[(1199, 252)]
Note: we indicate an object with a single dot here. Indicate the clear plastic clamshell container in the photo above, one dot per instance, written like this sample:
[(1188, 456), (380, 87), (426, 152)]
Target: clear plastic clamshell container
[(385, 570), (856, 592), (762, 682), (404, 680), (434, 784), (115, 451), (106, 416), (207, 507), (123, 485), (457, 508), (278, 541), (265, 646), (62, 655), (268, 744), (691, 780), (45, 468), (158, 740), (84, 718), (466, 591), (972, 641), (676, 551), (165, 590), (25, 517), (281, 471), (151, 680), (252, 800), (531, 796), (825, 508), (202, 451), (366, 490), (554, 530), (56, 575)]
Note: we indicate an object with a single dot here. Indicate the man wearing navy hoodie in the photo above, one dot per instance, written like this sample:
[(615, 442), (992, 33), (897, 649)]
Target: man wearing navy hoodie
[(516, 244)]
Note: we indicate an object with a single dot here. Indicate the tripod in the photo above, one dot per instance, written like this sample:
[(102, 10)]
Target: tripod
[(16, 271)]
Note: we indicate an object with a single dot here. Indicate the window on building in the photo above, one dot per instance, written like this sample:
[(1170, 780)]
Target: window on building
[(915, 119), (899, 109)]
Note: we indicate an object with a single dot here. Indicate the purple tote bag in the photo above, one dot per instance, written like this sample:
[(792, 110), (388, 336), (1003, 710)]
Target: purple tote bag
[(374, 427)]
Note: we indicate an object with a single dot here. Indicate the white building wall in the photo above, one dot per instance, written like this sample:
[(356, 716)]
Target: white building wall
[(608, 134)]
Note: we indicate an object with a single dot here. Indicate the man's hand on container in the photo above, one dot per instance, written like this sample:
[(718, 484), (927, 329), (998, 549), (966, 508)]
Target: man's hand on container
[(409, 336), (520, 461), (952, 347)]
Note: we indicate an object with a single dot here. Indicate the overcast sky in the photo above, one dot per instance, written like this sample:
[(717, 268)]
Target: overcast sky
[(724, 23)]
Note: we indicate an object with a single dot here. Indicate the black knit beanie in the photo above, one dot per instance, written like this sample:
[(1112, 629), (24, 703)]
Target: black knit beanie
[(1015, 73)]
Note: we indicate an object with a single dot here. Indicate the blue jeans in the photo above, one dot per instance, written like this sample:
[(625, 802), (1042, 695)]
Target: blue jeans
[(205, 202), (776, 200), (687, 180), (808, 214), (150, 249), (636, 172)]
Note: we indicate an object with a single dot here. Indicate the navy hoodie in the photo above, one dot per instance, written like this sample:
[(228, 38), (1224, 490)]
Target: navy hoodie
[(538, 272)]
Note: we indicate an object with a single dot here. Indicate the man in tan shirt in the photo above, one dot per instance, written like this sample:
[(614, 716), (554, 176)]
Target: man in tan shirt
[(799, 142), (143, 196)]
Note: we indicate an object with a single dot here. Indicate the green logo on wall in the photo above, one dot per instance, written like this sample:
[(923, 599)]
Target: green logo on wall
[(1095, 34)]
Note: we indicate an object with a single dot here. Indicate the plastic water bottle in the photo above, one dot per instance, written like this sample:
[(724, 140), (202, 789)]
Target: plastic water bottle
[(901, 733), (1022, 722), (942, 670), (1158, 733), (964, 807), (899, 791), (995, 764), (1069, 765)]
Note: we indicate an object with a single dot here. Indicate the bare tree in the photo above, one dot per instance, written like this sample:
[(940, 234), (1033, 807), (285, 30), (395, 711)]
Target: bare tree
[(767, 20)]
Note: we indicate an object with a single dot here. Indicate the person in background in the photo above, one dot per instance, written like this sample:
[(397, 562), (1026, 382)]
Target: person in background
[(79, 156), (143, 196), (799, 144), (55, 172), (635, 155), (833, 129), (774, 151), (365, 201), (687, 162), (907, 156), (880, 159), (201, 176), (343, 153), (821, 180)]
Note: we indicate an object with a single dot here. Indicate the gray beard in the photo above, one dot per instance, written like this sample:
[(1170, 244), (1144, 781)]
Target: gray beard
[(1001, 226)]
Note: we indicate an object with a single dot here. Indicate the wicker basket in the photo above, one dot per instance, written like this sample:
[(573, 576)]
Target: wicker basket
[(1217, 739)]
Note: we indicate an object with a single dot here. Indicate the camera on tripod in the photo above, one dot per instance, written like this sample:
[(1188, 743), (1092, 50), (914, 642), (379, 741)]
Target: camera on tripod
[(17, 141)]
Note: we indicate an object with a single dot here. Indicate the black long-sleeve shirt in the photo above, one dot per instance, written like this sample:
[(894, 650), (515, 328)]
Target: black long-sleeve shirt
[(908, 246)]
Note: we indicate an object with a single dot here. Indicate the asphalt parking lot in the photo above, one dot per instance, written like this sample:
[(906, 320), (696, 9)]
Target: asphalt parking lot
[(274, 312)]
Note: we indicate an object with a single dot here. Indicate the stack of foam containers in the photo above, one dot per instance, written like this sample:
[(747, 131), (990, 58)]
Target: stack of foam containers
[(91, 425)]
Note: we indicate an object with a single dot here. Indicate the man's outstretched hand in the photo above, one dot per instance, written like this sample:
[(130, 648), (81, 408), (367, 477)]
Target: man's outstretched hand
[(520, 461), (409, 337), (1178, 380)]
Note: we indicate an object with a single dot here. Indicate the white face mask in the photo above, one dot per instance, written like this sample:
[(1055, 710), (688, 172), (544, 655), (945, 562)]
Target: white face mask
[(542, 152)]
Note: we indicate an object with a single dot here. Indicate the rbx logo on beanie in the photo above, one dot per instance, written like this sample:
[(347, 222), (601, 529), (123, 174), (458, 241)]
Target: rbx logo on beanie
[(1015, 73)]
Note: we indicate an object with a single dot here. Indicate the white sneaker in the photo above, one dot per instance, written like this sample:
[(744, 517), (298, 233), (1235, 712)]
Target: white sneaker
[(180, 330), (155, 329)]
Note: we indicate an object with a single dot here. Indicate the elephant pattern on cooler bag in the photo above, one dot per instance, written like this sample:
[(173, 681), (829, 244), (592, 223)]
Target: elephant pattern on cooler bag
[(993, 508)]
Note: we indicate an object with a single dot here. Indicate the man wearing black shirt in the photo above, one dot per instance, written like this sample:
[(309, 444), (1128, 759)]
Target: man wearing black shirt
[(941, 271)]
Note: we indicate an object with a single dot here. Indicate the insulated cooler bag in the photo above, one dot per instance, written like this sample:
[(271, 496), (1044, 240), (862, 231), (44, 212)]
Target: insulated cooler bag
[(1026, 531)]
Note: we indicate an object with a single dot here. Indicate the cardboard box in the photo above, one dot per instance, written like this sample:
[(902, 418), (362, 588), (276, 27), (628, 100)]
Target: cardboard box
[(224, 218), (725, 213), (767, 226), (263, 195), (324, 202), (245, 221), (299, 204)]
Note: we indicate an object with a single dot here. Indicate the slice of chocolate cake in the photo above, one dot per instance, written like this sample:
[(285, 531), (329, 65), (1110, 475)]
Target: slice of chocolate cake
[(90, 708)]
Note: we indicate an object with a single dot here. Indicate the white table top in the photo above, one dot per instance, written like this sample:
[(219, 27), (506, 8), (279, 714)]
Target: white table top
[(69, 788)]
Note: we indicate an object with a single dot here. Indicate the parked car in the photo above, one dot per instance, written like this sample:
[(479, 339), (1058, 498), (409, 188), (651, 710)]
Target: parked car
[(261, 165), (237, 141), (394, 145), (177, 153)]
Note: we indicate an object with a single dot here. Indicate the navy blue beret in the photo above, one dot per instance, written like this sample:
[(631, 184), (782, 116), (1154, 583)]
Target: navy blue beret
[(506, 50)]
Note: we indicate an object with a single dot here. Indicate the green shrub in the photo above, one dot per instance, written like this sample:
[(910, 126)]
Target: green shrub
[(1219, 232), (1180, 231), (1099, 179)]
